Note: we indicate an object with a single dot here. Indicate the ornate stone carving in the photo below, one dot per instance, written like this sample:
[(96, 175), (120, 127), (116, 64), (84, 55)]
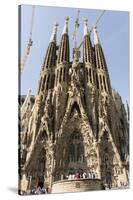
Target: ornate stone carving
[(52, 118)]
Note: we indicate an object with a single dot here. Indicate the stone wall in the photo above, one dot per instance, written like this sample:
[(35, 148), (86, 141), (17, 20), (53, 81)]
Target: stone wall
[(81, 185)]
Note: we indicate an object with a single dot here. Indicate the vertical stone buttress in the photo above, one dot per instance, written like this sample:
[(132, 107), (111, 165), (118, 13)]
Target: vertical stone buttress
[(103, 81), (121, 123), (40, 129), (61, 80), (50, 108), (47, 83), (103, 84), (111, 160), (90, 79), (47, 78)]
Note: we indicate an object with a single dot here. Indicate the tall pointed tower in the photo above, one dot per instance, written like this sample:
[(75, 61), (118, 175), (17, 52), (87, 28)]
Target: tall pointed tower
[(77, 124), (61, 81), (91, 92)]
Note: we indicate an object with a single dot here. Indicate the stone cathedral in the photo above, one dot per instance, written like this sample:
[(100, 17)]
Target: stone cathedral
[(75, 121)]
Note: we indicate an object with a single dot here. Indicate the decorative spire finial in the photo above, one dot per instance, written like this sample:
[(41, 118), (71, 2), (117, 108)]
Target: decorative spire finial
[(96, 38), (86, 31), (53, 35), (65, 30)]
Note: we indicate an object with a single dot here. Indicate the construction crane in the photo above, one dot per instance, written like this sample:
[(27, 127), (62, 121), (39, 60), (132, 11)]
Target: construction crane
[(29, 44), (98, 19), (95, 24), (76, 26)]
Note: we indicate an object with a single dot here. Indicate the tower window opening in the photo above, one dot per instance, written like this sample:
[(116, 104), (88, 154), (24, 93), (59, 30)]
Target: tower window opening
[(98, 59), (57, 77), (43, 83), (97, 82), (60, 75), (52, 80), (87, 48), (107, 83), (66, 53), (86, 74), (85, 54), (90, 75), (104, 84), (101, 82), (64, 73), (101, 59), (94, 77), (47, 85), (48, 57), (54, 56), (63, 51)]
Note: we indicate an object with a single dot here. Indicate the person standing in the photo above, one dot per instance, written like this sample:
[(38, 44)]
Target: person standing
[(84, 175)]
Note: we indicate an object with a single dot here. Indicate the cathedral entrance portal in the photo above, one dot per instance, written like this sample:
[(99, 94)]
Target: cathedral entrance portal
[(76, 155), (76, 148), (41, 181)]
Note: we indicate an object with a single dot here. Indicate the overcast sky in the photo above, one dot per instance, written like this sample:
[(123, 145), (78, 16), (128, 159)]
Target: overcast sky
[(113, 30)]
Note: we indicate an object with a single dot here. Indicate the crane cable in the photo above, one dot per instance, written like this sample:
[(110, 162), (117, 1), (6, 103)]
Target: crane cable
[(30, 42), (76, 26), (98, 19)]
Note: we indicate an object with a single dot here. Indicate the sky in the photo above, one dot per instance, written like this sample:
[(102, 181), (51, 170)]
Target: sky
[(113, 31)]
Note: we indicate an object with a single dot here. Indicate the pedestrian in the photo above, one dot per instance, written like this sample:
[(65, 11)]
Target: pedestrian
[(73, 176), (84, 175), (69, 176), (93, 175), (88, 175), (77, 175)]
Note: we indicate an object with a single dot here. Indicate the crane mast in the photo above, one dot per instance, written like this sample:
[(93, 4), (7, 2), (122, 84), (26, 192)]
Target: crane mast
[(29, 44), (76, 26), (95, 24)]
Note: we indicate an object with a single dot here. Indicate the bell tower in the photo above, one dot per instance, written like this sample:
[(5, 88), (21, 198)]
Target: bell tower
[(77, 122)]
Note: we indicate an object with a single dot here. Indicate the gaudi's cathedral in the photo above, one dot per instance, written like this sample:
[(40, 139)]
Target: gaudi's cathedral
[(76, 121)]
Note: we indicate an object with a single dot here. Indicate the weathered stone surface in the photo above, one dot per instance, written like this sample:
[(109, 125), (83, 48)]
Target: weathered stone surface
[(77, 121), (76, 185)]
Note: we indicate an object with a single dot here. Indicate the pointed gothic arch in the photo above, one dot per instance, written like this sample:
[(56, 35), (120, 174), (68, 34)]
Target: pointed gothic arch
[(75, 107)]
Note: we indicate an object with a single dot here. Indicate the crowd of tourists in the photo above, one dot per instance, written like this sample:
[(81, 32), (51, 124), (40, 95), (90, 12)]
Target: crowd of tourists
[(37, 190), (40, 190), (81, 175)]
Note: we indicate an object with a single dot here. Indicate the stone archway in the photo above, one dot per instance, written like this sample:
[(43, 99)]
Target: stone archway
[(75, 154), (74, 147)]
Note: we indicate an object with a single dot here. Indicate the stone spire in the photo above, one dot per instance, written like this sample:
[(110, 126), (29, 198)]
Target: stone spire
[(96, 38), (54, 33), (26, 104), (65, 29), (50, 56), (47, 76), (86, 31), (100, 62), (63, 55), (87, 45)]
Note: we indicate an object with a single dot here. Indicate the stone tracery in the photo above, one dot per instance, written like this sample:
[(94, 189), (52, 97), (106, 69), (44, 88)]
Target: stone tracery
[(74, 120)]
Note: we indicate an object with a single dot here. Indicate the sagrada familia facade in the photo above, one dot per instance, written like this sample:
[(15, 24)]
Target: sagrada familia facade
[(75, 121)]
